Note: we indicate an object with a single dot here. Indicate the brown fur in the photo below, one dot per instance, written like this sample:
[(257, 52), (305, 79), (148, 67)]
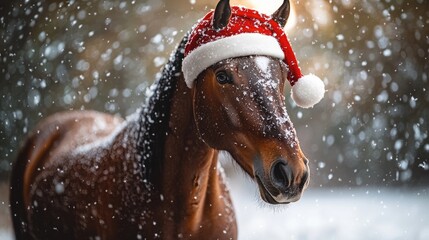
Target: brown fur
[(78, 176)]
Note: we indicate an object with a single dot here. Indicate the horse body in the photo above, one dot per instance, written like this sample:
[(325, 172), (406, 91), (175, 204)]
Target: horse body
[(95, 188), (83, 179)]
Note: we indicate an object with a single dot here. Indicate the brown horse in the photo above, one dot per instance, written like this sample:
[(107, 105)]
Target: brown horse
[(88, 175)]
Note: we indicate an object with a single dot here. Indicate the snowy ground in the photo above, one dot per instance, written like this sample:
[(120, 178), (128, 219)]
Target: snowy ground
[(325, 214), (334, 214)]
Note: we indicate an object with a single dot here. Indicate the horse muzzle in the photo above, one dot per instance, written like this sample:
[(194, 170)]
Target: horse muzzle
[(281, 184)]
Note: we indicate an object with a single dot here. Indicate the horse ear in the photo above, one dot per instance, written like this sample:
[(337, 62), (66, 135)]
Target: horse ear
[(221, 15), (282, 14)]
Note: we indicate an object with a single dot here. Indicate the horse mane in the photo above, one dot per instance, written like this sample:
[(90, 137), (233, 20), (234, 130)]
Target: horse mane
[(155, 112)]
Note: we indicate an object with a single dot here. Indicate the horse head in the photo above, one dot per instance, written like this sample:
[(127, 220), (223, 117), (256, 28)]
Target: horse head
[(238, 98), (239, 107)]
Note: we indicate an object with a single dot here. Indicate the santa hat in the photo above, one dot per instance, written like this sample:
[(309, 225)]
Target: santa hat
[(248, 33)]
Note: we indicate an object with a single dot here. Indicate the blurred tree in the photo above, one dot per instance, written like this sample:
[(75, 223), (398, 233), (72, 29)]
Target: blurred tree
[(376, 126)]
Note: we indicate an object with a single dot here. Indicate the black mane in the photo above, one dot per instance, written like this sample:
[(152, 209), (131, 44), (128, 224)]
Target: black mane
[(155, 113)]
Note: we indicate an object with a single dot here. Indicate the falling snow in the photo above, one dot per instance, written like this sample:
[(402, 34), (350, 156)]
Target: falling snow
[(370, 130)]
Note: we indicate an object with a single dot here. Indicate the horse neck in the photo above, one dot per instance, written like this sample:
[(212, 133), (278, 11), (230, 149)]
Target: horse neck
[(190, 168), (175, 162)]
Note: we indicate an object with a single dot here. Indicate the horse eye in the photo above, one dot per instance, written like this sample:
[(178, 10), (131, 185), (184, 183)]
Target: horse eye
[(222, 77)]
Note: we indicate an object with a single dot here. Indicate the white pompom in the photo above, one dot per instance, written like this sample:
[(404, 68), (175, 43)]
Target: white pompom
[(308, 91)]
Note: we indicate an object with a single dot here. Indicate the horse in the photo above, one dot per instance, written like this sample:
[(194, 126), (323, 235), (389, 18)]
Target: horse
[(155, 174)]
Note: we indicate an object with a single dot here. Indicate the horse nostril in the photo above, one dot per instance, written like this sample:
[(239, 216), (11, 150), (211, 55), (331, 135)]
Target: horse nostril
[(281, 174), (304, 179)]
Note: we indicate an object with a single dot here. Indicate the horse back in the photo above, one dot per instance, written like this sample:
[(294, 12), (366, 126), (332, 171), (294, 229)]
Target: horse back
[(49, 149)]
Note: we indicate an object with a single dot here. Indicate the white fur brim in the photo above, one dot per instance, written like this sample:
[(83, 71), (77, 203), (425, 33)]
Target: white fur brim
[(240, 45), (308, 91)]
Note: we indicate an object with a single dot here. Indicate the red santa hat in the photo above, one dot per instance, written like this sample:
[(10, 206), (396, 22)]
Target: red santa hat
[(248, 33)]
